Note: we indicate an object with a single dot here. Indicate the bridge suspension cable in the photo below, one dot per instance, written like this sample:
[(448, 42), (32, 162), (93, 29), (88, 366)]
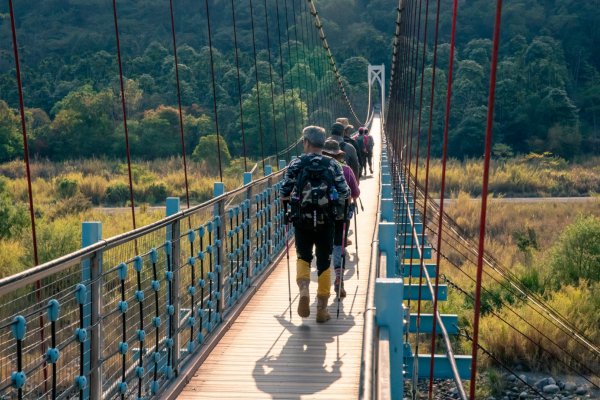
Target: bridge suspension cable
[(400, 123), (38, 284), (453, 239), (181, 128)]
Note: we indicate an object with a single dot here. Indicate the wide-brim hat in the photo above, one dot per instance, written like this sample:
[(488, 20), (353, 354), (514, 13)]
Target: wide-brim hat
[(343, 121), (332, 147)]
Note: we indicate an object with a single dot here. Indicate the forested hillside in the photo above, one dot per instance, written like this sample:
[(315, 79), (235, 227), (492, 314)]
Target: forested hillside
[(548, 83)]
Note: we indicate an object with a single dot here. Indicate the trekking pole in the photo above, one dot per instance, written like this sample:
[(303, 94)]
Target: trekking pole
[(344, 237), (356, 240), (361, 206), (287, 256), (342, 269)]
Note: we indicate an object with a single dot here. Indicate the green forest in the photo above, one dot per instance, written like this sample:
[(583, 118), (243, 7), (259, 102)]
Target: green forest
[(548, 80)]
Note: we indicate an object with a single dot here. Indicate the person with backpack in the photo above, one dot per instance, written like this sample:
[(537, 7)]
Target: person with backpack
[(351, 158), (348, 139), (365, 143), (332, 149), (316, 191)]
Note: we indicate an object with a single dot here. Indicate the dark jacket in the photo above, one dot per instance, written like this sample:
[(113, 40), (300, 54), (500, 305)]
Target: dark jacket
[(351, 156), (359, 152)]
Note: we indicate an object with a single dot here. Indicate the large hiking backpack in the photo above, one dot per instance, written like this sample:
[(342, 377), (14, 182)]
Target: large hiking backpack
[(365, 144), (314, 199)]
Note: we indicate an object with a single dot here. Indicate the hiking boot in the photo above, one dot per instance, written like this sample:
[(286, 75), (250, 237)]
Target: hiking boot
[(304, 301), (339, 291), (322, 313)]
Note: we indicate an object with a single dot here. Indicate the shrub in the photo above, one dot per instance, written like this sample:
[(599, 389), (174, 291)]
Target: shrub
[(71, 205), (576, 255), (13, 218), (94, 188), (156, 193), (206, 152), (55, 239), (11, 254), (578, 304), (67, 188), (117, 193)]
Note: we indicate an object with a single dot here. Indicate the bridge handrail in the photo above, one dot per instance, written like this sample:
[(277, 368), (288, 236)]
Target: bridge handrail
[(416, 242), (370, 328), (72, 321), (41, 271)]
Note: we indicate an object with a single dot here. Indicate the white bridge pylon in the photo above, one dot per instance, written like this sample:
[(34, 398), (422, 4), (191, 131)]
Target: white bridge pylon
[(376, 74)]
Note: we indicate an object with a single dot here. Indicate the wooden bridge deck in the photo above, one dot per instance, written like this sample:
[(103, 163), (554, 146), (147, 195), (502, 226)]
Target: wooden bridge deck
[(264, 355)]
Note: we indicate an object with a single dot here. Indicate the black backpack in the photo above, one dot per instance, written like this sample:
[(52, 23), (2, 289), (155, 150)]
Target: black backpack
[(314, 199)]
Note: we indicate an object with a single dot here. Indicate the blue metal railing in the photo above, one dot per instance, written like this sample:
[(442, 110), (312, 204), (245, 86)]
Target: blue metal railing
[(399, 231), (123, 317)]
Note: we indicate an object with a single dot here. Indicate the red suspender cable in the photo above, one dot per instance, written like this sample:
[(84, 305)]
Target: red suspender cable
[(28, 171), (214, 89), (187, 191), (442, 192), (124, 108), (484, 193)]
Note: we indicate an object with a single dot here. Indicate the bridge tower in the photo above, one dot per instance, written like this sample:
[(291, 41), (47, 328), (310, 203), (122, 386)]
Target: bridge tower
[(376, 74)]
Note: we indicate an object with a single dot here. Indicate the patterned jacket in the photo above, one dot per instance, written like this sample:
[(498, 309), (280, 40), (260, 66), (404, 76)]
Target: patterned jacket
[(293, 171)]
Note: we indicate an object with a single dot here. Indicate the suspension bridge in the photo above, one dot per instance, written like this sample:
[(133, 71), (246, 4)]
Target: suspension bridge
[(197, 305)]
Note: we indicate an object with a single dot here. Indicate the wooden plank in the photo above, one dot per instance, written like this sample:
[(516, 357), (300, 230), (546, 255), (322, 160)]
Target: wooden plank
[(265, 355)]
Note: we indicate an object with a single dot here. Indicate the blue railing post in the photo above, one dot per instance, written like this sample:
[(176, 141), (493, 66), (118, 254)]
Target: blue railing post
[(220, 235), (390, 312), (173, 233), (247, 178), (91, 276), (282, 164), (268, 170), (248, 259)]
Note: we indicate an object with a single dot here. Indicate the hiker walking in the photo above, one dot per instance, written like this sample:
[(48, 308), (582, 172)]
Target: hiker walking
[(348, 130), (365, 144), (332, 149), (315, 188), (351, 158)]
